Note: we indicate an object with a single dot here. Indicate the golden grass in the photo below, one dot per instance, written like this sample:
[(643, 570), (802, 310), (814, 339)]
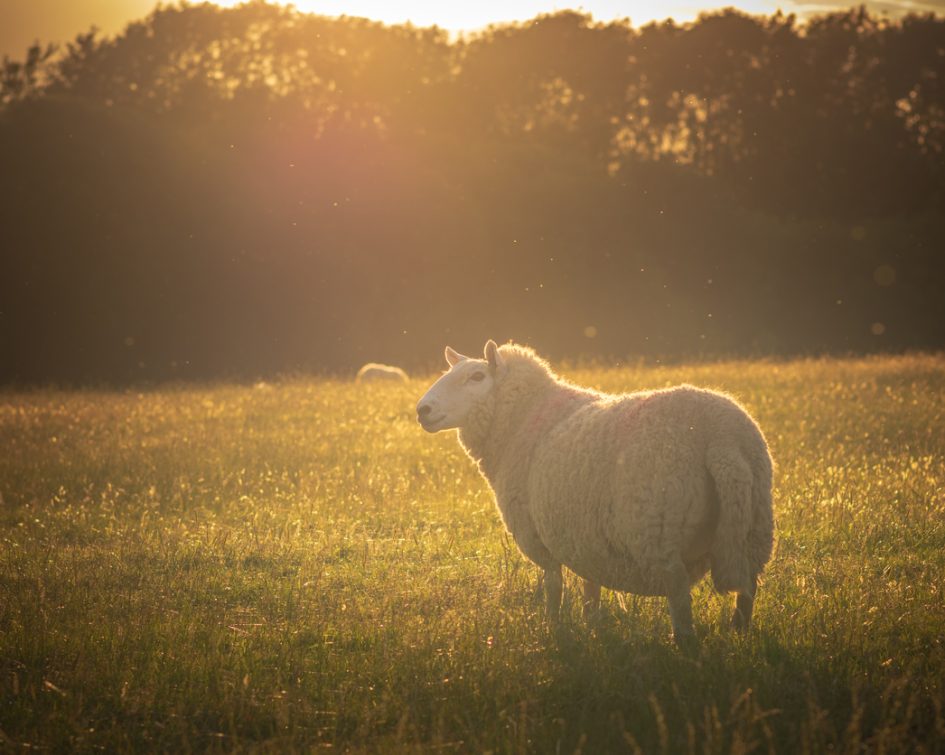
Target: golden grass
[(289, 565)]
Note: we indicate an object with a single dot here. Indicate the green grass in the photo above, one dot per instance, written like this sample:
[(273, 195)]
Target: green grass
[(296, 565)]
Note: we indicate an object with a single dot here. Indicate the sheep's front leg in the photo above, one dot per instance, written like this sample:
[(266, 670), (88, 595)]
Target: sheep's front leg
[(526, 537), (591, 598), (553, 586), (680, 603)]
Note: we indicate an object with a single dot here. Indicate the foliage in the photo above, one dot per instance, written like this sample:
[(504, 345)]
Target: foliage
[(286, 565), (248, 190)]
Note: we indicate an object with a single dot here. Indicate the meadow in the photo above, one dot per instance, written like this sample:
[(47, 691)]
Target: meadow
[(295, 565)]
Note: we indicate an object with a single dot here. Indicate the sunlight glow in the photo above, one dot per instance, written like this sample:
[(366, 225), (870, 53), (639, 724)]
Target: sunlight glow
[(457, 17)]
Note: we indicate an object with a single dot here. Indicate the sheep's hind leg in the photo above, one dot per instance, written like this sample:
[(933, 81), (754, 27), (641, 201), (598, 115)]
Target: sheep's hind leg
[(680, 603), (591, 599), (744, 602), (553, 587)]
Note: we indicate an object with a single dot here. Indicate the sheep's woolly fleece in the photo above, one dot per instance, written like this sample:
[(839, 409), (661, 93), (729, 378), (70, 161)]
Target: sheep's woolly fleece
[(375, 371), (621, 488)]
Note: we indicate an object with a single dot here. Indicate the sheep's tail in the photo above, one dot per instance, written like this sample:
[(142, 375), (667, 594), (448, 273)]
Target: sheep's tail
[(745, 532)]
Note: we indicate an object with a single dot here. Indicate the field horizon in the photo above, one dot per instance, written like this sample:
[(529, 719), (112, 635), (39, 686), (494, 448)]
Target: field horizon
[(293, 564)]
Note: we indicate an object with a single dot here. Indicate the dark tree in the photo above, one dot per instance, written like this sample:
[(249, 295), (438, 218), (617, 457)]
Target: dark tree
[(250, 190)]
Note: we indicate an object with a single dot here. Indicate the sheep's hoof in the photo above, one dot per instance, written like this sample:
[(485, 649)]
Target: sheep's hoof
[(687, 643), (741, 617), (592, 614)]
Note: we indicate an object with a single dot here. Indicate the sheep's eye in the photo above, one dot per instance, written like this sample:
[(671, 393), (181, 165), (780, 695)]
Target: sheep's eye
[(477, 376)]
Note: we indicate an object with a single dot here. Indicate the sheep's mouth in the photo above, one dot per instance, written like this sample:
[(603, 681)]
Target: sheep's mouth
[(429, 423)]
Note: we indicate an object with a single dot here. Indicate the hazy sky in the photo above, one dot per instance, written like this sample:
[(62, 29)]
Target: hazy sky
[(24, 21)]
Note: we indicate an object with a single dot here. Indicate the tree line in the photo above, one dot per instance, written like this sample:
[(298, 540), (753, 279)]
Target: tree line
[(249, 190)]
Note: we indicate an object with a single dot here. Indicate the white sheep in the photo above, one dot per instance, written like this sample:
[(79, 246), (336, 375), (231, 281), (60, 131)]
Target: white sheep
[(642, 492), (374, 371)]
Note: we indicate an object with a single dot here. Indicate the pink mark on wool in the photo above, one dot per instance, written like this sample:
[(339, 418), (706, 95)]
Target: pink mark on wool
[(630, 414), (547, 412)]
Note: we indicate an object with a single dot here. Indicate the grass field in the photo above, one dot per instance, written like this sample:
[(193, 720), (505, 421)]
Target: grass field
[(296, 565)]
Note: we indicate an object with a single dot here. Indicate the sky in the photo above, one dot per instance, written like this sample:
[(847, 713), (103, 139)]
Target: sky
[(23, 22)]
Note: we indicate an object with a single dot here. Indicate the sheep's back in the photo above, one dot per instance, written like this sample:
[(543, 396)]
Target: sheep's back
[(372, 371), (621, 484)]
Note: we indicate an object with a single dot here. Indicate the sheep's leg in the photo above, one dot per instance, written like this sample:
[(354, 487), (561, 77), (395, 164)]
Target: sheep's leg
[(591, 598), (553, 586), (680, 603), (744, 603)]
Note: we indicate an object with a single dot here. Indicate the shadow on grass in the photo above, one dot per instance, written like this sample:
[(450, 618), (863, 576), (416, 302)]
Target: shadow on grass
[(614, 687)]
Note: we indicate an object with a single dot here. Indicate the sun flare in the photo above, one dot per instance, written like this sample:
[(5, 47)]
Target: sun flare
[(470, 16)]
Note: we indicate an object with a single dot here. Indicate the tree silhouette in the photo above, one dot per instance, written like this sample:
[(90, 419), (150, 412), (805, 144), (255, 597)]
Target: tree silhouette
[(246, 190)]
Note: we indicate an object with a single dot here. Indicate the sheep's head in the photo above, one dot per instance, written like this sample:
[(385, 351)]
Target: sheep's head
[(466, 386)]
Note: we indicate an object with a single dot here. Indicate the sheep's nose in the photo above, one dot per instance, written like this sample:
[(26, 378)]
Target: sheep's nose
[(423, 410)]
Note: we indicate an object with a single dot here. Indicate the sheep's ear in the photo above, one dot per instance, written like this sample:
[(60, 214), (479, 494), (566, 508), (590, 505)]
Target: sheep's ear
[(493, 357), (452, 356)]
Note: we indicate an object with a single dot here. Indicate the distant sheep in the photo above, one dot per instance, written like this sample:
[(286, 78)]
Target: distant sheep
[(372, 371), (641, 492)]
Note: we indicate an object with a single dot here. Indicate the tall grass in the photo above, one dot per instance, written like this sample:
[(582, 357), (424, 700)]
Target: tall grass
[(292, 565)]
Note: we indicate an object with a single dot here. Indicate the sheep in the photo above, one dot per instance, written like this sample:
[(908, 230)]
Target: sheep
[(641, 492), (373, 371)]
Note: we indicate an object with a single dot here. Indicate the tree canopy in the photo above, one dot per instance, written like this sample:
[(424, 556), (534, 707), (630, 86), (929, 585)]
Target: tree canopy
[(246, 190)]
